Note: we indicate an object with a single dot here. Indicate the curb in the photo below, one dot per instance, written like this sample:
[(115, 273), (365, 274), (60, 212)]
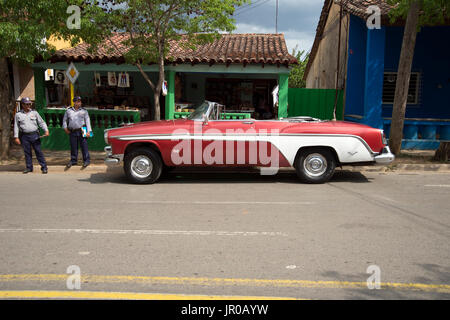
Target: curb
[(102, 168), (16, 168)]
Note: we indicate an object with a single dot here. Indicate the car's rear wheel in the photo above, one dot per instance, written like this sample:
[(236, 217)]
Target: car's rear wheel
[(315, 165), (143, 166)]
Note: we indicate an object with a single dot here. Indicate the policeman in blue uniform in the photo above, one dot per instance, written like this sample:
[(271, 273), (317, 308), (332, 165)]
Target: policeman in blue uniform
[(74, 119), (26, 133)]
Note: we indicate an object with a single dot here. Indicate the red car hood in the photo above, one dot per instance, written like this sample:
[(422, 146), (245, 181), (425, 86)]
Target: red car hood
[(154, 127)]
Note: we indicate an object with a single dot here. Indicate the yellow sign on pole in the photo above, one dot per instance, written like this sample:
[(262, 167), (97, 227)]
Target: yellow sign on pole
[(72, 74)]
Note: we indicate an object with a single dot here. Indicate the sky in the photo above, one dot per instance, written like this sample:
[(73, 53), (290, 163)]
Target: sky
[(297, 20)]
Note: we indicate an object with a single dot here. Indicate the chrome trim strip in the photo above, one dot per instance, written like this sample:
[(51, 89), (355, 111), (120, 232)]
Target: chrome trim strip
[(153, 136)]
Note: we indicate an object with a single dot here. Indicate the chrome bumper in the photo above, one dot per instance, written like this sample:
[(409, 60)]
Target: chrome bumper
[(385, 157), (111, 159)]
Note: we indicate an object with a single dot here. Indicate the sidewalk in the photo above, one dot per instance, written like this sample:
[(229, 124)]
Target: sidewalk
[(409, 160), (56, 161)]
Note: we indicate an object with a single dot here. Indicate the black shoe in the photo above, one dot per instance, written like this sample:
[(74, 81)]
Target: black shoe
[(27, 170), (69, 165), (44, 171), (86, 164)]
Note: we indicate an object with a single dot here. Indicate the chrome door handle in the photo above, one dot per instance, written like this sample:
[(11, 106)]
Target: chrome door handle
[(248, 122)]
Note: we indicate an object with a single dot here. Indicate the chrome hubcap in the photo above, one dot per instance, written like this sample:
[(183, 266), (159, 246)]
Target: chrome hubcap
[(315, 165), (141, 167)]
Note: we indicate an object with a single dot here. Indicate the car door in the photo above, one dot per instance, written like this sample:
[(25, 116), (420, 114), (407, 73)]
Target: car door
[(235, 138), (270, 139)]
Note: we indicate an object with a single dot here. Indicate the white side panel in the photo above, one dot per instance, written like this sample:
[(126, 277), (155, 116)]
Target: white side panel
[(349, 149)]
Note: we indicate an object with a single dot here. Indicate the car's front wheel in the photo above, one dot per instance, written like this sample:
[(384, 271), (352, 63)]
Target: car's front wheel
[(315, 165), (143, 166)]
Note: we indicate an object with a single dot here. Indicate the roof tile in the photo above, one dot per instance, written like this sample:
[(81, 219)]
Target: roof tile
[(229, 48)]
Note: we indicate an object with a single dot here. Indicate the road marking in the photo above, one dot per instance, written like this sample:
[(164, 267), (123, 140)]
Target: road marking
[(123, 296), (220, 202), (150, 232), (218, 282), (438, 185)]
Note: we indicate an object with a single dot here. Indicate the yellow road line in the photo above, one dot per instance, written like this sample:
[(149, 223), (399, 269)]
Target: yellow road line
[(443, 288), (122, 296)]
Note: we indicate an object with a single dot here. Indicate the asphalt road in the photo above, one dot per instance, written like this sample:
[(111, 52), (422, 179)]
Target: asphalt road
[(220, 235)]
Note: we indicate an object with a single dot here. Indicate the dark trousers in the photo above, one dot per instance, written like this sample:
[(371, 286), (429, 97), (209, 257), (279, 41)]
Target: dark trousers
[(76, 139), (28, 141)]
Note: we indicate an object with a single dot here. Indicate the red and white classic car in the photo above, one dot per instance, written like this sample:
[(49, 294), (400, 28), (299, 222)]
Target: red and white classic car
[(313, 147)]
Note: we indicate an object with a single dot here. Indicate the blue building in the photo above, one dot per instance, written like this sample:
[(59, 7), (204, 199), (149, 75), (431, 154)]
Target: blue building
[(366, 66)]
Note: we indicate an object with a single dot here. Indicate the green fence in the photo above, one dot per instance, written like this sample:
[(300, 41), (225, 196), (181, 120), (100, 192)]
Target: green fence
[(226, 115), (100, 120), (317, 103)]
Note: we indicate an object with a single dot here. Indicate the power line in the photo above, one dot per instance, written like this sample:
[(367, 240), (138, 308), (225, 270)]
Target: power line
[(276, 20), (250, 8), (245, 6)]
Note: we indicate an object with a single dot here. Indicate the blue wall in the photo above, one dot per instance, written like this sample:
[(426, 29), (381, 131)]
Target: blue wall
[(373, 93), (365, 72), (432, 60), (354, 96)]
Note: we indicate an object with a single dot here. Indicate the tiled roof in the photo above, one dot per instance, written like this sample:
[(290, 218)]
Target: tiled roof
[(358, 7), (229, 48), (355, 7)]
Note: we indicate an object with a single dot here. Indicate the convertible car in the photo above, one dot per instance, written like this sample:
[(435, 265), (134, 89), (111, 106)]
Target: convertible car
[(205, 138)]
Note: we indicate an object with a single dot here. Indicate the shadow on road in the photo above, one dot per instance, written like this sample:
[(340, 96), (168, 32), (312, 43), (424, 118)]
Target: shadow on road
[(214, 175), (350, 176), (386, 293), (437, 272)]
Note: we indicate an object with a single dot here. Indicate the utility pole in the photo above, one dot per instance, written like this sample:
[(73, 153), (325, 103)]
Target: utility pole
[(276, 20)]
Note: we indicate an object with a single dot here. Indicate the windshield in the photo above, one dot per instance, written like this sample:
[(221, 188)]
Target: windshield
[(199, 111)]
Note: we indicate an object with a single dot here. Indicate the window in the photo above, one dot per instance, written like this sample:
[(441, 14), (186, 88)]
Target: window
[(389, 80)]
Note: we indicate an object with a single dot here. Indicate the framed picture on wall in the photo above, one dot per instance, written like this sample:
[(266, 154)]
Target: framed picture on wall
[(60, 77)]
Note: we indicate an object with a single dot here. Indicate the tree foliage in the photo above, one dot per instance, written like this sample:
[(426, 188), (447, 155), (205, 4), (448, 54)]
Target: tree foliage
[(432, 12), (24, 26), (298, 71)]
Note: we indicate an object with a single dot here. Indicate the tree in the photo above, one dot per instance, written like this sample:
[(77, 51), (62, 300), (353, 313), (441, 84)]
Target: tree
[(418, 13), (296, 76), (152, 26), (24, 26), (443, 152)]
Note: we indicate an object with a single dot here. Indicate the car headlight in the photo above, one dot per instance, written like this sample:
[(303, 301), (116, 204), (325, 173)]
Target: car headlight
[(106, 136)]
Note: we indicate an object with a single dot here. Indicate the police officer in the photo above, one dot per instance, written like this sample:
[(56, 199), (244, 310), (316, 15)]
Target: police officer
[(74, 119), (26, 133)]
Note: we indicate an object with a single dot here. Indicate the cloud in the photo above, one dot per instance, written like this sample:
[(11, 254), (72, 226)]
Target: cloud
[(304, 40), (297, 20), (293, 37)]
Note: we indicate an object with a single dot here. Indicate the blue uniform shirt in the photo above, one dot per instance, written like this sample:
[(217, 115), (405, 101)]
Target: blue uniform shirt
[(75, 119)]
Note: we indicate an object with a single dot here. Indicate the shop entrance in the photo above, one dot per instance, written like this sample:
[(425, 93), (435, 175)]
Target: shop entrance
[(252, 96)]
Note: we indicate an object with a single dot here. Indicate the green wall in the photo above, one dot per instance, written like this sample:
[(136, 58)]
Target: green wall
[(317, 103)]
